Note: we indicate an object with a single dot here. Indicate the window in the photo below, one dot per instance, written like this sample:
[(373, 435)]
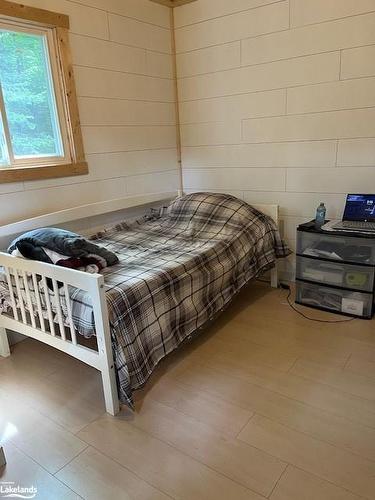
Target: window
[(40, 136), (32, 127)]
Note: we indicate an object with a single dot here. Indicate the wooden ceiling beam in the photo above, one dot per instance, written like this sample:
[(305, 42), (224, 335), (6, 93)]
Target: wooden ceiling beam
[(172, 3)]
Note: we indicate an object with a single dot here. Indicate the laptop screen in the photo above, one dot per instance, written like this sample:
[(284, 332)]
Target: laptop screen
[(360, 207)]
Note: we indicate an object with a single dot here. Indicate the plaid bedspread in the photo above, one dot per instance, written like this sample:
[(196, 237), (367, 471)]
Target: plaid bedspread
[(175, 273)]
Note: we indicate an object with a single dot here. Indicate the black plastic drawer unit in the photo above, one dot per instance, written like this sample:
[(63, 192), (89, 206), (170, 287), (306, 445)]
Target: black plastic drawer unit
[(335, 271)]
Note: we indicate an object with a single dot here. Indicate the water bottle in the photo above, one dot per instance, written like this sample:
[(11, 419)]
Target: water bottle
[(320, 215)]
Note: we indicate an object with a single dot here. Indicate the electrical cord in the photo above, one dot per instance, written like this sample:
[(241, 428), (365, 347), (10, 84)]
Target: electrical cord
[(285, 286)]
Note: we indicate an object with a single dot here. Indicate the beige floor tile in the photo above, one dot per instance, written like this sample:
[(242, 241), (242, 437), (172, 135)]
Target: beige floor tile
[(36, 435), (24, 472), (244, 464), (364, 350), (357, 364), (32, 349), (283, 339), (324, 425), (198, 400), (344, 469), (97, 477), (64, 405), (56, 385), (352, 383), (247, 352), (254, 313), (306, 391), (160, 464), (221, 415), (90, 380), (28, 357), (297, 484)]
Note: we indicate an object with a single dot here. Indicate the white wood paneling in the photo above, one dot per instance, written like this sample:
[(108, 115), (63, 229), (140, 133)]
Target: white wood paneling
[(210, 59), (335, 180), (152, 183), (83, 19), (82, 213), (114, 112), (303, 92), (136, 9), (123, 71), (358, 62), (235, 178), (218, 109), (133, 162), (11, 187), (233, 27), (103, 54), (356, 152), (283, 154), (201, 11), (316, 126), (358, 93), (158, 64), (316, 11), (325, 37), (16, 206), (132, 32), (298, 204), (112, 139), (275, 75), (116, 165), (92, 82), (198, 134)]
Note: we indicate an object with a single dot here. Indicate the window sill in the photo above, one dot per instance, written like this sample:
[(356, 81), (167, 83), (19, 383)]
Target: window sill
[(20, 174)]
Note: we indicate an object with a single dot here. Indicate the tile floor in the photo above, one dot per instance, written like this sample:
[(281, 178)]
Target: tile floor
[(264, 404)]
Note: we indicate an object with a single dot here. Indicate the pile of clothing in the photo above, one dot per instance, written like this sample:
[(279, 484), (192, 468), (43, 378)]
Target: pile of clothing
[(62, 248)]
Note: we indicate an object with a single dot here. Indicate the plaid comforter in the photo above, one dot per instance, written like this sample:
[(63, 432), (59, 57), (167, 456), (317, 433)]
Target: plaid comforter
[(175, 273)]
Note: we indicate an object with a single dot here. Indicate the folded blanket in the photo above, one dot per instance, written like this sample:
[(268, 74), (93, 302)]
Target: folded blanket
[(32, 245)]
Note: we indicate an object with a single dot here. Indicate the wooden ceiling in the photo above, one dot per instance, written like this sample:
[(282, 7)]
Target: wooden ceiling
[(173, 3)]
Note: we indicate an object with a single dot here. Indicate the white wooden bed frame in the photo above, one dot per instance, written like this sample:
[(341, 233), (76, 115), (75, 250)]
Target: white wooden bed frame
[(35, 326)]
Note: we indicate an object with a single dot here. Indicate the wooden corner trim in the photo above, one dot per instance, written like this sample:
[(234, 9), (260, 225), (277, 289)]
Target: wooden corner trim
[(178, 3), (20, 174), (173, 3), (42, 16)]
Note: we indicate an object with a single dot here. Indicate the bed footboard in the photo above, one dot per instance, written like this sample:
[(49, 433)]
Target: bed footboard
[(33, 315)]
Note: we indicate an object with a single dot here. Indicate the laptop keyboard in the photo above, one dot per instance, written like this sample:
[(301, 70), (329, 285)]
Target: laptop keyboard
[(358, 225)]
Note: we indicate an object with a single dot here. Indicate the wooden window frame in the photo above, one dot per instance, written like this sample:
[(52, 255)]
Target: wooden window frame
[(59, 25)]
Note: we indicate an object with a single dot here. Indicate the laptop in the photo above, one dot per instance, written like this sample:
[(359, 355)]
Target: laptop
[(359, 214)]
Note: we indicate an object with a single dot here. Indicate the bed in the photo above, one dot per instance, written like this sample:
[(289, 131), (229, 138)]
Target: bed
[(176, 271)]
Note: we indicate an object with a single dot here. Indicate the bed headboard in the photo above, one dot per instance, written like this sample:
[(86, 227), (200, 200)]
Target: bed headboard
[(83, 212), (270, 210), (9, 231)]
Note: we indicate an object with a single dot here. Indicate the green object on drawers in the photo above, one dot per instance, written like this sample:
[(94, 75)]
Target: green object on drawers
[(356, 278)]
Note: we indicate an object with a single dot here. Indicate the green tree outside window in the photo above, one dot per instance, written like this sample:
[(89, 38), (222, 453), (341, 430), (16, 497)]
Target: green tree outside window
[(28, 95)]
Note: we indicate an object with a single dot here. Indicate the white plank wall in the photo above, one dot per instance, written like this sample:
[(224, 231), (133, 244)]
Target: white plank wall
[(278, 102), (123, 69)]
